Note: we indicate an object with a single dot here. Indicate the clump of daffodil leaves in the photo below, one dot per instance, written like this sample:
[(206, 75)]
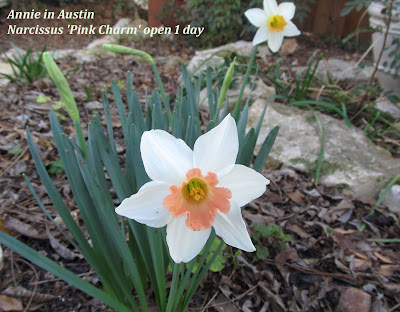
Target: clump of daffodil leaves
[(179, 192)]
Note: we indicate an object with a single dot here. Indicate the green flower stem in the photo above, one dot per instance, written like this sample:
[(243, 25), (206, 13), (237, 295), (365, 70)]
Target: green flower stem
[(66, 96), (119, 49), (236, 110), (226, 84), (174, 284), (80, 136)]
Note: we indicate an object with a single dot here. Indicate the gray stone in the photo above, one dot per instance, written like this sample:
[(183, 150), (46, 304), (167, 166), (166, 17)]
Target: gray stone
[(22, 120), (12, 54), (4, 3), (62, 54), (4, 82), (94, 105), (336, 70), (5, 68), (215, 57), (261, 91), (351, 161), (171, 61), (387, 107), (88, 56), (143, 4), (96, 46), (354, 300), (392, 199), (139, 24)]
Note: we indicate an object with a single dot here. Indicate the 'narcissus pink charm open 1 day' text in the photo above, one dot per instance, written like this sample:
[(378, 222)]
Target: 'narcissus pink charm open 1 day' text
[(193, 191)]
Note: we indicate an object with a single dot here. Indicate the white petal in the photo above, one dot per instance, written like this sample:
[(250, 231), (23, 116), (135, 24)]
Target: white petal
[(146, 205), (165, 157), (262, 35), (184, 244), (275, 41), (286, 9), (270, 7), (216, 150), (256, 17), (290, 30), (232, 229), (245, 184)]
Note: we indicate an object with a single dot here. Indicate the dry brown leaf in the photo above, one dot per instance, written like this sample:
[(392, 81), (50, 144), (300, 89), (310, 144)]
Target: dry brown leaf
[(222, 304), (276, 300), (387, 270), (361, 264), (383, 258), (360, 255), (343, 231), (12, 224), (10, 304), (297, 229), (63, 251), (22, 292), (297, 196)]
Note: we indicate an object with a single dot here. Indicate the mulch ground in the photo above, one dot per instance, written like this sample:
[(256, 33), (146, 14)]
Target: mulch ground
[(312, 262)]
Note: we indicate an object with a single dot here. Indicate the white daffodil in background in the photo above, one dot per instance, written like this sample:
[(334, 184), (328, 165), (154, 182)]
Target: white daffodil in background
[(193, 191), (274, 23)]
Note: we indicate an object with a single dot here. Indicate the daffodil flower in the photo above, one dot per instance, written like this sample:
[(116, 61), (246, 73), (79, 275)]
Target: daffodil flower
[(274, 23), (193, 191)]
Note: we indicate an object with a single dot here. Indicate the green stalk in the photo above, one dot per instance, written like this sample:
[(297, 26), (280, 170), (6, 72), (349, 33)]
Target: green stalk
[(236, 110), (119, 49), (66, 95), (174, 284), (226, 84)]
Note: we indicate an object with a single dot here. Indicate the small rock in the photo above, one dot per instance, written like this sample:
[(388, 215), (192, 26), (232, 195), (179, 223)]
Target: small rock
[(94, 105), (43, 125), (171, 61), (392, 199), (12, 54), (143, 4), (385, 106), (5, 68), (289, 46), (22, 120), (138, 24), (86, 56), (96, 46), (62, 54), (340, 71), (4, 82), (4, 3), (350, 162), (215, 57), (354, 300)]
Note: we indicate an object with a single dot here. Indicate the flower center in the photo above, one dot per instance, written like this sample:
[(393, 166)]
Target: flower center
[(199, 198), (276, 23), (195, 189)]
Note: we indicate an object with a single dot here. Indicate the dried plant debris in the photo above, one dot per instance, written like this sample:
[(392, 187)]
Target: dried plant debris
[(314, 255)]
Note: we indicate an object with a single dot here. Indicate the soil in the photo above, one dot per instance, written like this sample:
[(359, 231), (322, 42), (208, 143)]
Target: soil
[(322, 256)]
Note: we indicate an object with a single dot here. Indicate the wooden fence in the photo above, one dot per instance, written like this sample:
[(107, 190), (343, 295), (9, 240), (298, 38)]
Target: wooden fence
[(325, 20)]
